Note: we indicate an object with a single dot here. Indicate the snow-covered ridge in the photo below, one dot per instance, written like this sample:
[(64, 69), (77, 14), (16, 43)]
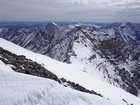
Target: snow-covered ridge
[(20, 89), (71, 72), (19, 63)]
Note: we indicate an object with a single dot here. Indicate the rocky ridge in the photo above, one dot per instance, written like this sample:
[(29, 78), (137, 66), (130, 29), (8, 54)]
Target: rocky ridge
[(21, 64)]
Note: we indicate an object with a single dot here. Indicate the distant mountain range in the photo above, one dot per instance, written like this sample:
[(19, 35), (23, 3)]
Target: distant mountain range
[(16, 23), (21, 23)]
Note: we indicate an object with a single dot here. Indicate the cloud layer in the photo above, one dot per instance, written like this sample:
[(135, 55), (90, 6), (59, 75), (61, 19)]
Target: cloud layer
[(70, 10)]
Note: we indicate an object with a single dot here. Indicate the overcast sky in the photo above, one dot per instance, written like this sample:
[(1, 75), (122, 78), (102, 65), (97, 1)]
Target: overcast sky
[(70, 10)]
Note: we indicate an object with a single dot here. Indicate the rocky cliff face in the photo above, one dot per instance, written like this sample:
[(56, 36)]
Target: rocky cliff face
[(110, 52)]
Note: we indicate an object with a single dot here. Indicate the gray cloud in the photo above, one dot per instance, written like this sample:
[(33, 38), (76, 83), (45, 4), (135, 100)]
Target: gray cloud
[(70, 10), (130, 6)]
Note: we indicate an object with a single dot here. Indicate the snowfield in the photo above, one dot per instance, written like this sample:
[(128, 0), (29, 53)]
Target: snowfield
[(36, 90), (20, 89)]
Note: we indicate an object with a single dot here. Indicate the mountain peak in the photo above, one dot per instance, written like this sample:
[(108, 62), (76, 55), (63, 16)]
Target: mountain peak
[(52, 24)]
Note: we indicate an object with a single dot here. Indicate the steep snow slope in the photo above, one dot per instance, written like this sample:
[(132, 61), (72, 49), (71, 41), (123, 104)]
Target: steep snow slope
[(20, 89), (73, 73)]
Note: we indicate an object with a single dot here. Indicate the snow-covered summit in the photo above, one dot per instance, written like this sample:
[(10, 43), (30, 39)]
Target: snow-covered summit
[(20, 89)]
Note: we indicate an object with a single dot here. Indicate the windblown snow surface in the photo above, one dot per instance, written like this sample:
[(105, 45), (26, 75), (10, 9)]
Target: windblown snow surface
[(20, 89)]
